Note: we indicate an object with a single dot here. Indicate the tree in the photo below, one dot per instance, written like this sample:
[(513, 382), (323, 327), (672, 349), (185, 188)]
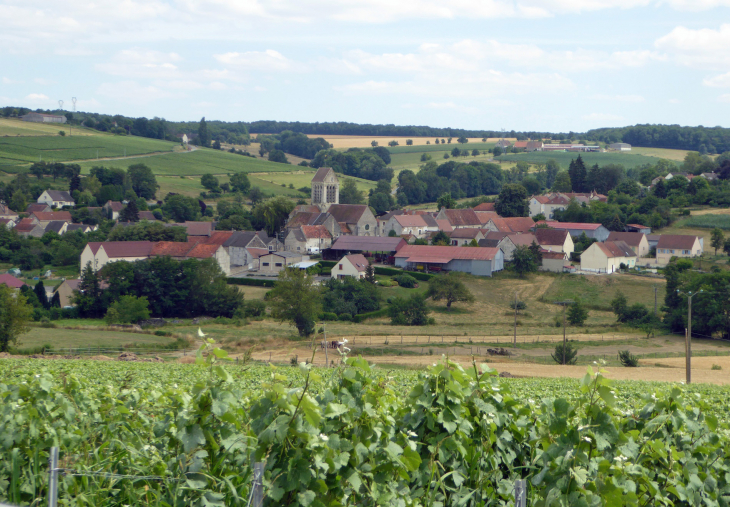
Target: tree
[(562, 182), (512, 201), (523, 261), (578, 175), (130, 213), (203, 135), (619, 304), (628, 359), (455, 152), (88, 297), (18, 201), (15, 313), (392, 234), (40, 292), (256, 195), (373, 143), (128, 310), (278, 156), (210, 182), (450, 288), (551, 172), (474, 152), (440, 239), (296, 299), (446, 201), (565, 354), (536, 253), (577, 314), (462, 140), (240, 183), (726, 246), (143, 181), (408, 312), (349, 193), (381, 202), (181, 208), (272, 214), (370, 273), (497, 151), (409, 142), (717, 239), (393, 143)]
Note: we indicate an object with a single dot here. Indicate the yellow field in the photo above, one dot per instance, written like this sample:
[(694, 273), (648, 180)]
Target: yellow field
[(365, 141), (16, 127), (676, 155)]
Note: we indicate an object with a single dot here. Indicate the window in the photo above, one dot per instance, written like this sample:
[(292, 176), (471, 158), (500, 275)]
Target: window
[(671, 252), (298, 248), (266, 264), (367, 227), (686, 252), (340, 267), (278, 264)]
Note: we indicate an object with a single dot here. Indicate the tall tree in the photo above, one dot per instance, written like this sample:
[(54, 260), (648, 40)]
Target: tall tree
[(75, 183), (143, 181), (523, 261), (562, 182), (295, 299), (15, 313), (40, 292), (130, 213), (717, 239), (450, 288), (512, 201), (203, 135), (349, 193), (578, 175), (240, 183), (552, 168)]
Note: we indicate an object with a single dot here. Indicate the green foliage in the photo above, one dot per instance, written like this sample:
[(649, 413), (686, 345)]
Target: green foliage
[(272, 214), (577, 313), (130, 213), (210, 182), (349, 193), (349, 296), (181, 208), (296, 300), (240, 183), (566, 354), (717, 239), (255, 282), (446, 201), (512, 201), (128, 310), (408, 312), (143, 181), (406, 281), (278, 156), (520, 305), (628, 359), (366, 164), (524, 261), (441, 239), (15, 313), (450, 288)]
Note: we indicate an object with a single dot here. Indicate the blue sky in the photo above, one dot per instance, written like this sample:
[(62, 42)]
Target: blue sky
[(549, 65)]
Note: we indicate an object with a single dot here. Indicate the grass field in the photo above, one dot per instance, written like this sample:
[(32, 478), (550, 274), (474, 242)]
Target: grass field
[(64, 338), (365, 141), (598, 291), (674, 155), (304, 179), (16, 127), (706, 221), (628, 160)]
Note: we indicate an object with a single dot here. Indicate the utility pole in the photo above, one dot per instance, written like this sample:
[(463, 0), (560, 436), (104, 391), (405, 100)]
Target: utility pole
[(688, 335), (326, 346), (655, 289), (564, 340), (515, 340)]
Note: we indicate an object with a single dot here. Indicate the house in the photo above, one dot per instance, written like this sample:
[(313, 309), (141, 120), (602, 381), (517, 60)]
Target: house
[(42, 207), (709, 176), (460, 218), (311, 239), (380, 248), (534, 146), (27, 227), (444, 226), (147, 215), (11, 281), (43, 219), (520, 145), (548, 204), (354, 265), (619, 146), (486, 216), (357, 219), (271, 242), (304, 208), (211, 251), (476, 261), (555, 262), (314, 218), (66, 291), (653, 240), (510, 242), (244, 249), (43, 118), (636, 241), (274, 262), (607, 257), (485, 206), (643, 229), (112, 209), (676, 245), (554, 240), (503, 143), (7, 223), (56, 198), (411, 224), (464, 237), (100, 254), (6, 212), (595, 231), (199, 229), (57, 226), (520, 225), (492, 239), (79, 227)]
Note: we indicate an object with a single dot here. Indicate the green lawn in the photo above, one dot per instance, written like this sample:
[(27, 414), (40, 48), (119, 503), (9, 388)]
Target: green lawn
[(64, 338), (304, 179), (598, 291), (628, 160), (398, 150), (708, 221), (17, 127)]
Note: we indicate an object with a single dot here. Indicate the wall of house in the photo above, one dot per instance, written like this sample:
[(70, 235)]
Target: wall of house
[(292, 244), (367, 225), (553, 265), (224, 260), (508, 248), (535, 207), (593, 259), (345, 268), (663, 255), (65, 295)]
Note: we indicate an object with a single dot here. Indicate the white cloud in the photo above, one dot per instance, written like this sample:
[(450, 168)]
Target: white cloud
[(37, 97), (131, 91), (721, 81), (703, 48), (8, 81), (619, 98), (724, 98), (269, 60), (138, 63)]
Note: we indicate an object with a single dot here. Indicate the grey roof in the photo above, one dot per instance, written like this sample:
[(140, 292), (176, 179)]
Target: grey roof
[(60, 195), (240, 239), (290, 255), (55, 226), (321, 173), (368, 243), (430, 220), (347, 213), (298, 234), (75, 227), (489, 243)]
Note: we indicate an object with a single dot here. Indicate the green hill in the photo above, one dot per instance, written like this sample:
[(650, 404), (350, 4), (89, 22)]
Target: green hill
[(627, 160)]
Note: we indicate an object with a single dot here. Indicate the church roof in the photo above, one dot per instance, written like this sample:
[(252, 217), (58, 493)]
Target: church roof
[(321, 173)]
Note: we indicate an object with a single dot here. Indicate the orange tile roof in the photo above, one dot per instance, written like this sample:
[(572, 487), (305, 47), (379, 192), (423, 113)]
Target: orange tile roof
[(49, 216), (201, 251), (316, 232)]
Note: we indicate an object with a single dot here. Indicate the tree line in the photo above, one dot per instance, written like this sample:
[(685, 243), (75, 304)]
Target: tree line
[(701, 139)]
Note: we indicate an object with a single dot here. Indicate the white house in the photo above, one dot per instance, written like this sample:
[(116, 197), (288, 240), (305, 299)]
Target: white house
[(409, 224), (354, 265), (56, 198), (607, 257)]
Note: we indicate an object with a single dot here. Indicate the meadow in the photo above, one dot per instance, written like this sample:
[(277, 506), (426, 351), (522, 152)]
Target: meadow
[(302, 177), (16, 127), (706, 221), (344, 142), (628, 160)]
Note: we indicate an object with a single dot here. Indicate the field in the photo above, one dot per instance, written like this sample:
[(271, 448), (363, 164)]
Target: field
[(706, 221), (303, 178), (72, 338), (665, 153), (628, 160), (344, 142), (15, 127)]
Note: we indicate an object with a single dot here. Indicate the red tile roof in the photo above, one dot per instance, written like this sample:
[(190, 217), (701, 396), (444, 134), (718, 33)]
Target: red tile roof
[(520, 144), (519, 224), (550, 236), (444, 225), (199, 228), (121, 249), (616, 249), (49, 216), (676, 241), (462, 217), (171, 248), (368, 244), (358, 261), (201, 251), (630, 238), (486, 216), (570, 225), (216, 238), (257, 252), (464, 233), (522, 239), (552, 255), (10, 281), (445, 254), (485, 206), (316, 232), (25, 225), (348, 213), (114, 206), (410, 220)]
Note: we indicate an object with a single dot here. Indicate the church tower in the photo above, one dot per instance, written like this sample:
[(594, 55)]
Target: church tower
[(325, 188)]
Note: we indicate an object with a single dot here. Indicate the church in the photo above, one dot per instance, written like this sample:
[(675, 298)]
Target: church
[(325, 188)]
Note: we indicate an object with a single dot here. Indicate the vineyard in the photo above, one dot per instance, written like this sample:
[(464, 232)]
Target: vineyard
[(177, 435)]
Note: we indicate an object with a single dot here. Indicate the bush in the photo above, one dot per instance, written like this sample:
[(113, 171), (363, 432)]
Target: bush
[(254, 282), (716, 367), (628, 359), (345, 317), (254, 308), (409, 312), (328, 316), (406, 281), (569, 353), (370, 315), (521, 305)]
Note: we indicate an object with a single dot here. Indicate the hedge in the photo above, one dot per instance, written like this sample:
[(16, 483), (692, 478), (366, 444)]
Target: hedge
[(328, 264), (424, 277), (370, 315), (251, 281)]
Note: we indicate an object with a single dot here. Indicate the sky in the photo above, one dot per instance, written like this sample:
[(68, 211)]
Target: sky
[(526, 65)]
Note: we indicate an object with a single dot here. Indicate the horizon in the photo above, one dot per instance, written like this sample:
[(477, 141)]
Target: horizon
[(555, 66)]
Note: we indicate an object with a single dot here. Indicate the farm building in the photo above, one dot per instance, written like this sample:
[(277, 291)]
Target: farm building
[(382, 248), (42, 207), (458, 218), (354, 265), (676, 245), (534, 146), (43, 118), (55, 199), (619, 146), (28, 227), (244, 249), (100, 254), (554, 240), (510, 242), (476, 261), (555, 262), (607, 257), (520, 225), (636, 241), (43, 219), (112, 209), (595, 231), (356, 219), (66, 292), (417, 225), (643, 229), (463, 237), (274, 262), (311, 239), (6, 212)]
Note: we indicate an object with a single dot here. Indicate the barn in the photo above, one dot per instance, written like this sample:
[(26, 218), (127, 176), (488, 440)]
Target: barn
[(476, 261)]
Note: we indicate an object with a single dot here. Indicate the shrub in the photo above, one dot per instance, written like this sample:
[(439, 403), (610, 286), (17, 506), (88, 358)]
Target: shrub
[(521, 305), (565, 355), (345, 317), (716, 367), (254, 308), (628, 359), (406, 281), (409, 312), (255, 282), (328, 316)]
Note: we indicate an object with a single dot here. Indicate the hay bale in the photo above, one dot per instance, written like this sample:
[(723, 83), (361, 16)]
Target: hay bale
[(100, 358), (186, 360)]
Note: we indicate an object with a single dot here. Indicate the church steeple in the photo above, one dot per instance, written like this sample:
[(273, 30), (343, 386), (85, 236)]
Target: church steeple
[(325, 188)]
